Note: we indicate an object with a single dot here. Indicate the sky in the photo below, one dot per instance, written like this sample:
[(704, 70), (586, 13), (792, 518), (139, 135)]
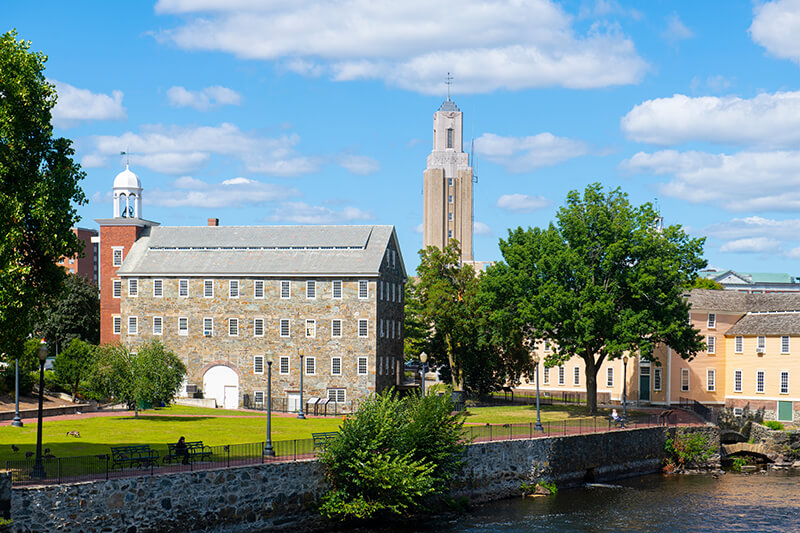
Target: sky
[(321, 112)]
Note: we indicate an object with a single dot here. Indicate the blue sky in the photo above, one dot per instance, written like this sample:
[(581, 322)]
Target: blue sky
[(270, 112)]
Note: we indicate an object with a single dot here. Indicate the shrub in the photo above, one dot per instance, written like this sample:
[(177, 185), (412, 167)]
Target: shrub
[(738, 463), (687, 449), (774, 424), (391, 456)]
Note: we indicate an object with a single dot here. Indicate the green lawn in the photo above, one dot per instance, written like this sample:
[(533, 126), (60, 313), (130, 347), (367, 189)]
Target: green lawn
[(522, 414)]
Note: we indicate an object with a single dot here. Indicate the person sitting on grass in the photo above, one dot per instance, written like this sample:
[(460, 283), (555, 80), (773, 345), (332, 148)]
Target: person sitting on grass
[(182, 450)]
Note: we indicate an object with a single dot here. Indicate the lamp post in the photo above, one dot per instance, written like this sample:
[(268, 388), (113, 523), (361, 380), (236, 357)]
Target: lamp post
[(300, 415), (38, 467), (423, 358), (624, 389), (538, 426), (268, 451), (17, 422)]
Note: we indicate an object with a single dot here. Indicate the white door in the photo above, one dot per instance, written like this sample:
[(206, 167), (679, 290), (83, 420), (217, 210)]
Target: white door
[(293, 402), (215, 382)]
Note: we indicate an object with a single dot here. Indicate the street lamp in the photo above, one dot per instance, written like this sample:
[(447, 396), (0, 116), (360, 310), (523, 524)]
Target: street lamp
[(624, 389), (38, 467), (538, 426), (17, 422), (423, 358), (268, 451), (300, 415)]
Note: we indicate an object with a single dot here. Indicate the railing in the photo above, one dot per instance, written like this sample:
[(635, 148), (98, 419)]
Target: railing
[(547, 397), (281, 405), (59, 470), (708, 414)]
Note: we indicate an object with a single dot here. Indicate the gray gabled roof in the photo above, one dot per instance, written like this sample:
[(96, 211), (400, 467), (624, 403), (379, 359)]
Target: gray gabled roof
[(732, 301), (767, 324), (259, 250)]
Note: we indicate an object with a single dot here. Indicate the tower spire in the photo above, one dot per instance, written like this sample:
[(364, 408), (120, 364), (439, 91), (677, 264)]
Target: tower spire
[(448, 83)]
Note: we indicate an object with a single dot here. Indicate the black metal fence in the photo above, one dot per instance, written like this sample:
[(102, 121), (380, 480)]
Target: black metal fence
[(708, 414), (527, 397), (321, 406), (567, 426)]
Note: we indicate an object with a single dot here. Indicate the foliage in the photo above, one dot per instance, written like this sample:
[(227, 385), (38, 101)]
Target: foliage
[(74, 364), (39, 192), (774, 424), (686, 449), (533, 488), (705, 283), (153, 374), (601, 282), (391, 456), (73, 314), (737, 464), (28, 368)]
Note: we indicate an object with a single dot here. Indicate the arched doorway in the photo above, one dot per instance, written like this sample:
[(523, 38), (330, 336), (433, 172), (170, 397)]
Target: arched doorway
[(222, 383)]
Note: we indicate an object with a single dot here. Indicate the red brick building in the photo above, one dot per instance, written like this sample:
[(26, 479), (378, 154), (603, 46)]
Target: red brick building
[(87, 265)]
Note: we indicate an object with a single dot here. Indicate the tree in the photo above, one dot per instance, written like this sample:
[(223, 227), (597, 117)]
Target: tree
[(74, 314), (392, 456), (73, 364), (38, 192), (151, 375), (602, 282), (705, 283), (28, 368)]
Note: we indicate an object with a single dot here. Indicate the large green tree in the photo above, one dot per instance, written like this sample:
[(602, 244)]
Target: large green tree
[(603, 281), (72, 314), (152, 374), (73, 365), (39, 192)]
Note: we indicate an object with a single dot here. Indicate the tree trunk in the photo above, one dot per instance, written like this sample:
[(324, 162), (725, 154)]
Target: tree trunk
[(591, 383), (456, 374)]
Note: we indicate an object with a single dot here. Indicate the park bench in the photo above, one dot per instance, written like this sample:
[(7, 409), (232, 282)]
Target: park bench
[(619, 422), (196, 450), (321, 439), (133, 456)]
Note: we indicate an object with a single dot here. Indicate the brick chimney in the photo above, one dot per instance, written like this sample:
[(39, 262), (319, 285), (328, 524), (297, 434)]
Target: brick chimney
[(213, 222)]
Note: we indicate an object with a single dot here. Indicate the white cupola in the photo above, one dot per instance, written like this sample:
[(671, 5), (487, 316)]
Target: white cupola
[(127, 195)]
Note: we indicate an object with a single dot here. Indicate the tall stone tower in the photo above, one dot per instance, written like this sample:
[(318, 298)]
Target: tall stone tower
[(447, 188)]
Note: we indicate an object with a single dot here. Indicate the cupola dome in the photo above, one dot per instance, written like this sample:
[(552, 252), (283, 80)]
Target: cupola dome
[(127, 180)]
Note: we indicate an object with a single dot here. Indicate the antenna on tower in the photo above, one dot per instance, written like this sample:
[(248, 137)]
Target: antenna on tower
[(127, 157), (472, 160), (449, 82)]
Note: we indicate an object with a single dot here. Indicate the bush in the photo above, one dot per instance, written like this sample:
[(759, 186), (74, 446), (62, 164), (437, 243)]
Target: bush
[(687, 449), (774, 424), (391, 456)]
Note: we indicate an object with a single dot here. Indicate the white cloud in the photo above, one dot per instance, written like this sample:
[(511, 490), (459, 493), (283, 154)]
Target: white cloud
[(794, 253), (525, 154), (604, 8), (75, 105), (676, 30), (480, 228), (191, 192), (522, 202), (204, 99), (755, 226), (418, 228), (769, 120), (359, 164), (302, 213), (776, 26), (755, 245), (506, 44), (742, 181), (181, 150)]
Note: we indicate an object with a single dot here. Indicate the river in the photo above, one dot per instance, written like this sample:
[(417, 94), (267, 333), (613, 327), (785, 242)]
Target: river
[(758, 502)]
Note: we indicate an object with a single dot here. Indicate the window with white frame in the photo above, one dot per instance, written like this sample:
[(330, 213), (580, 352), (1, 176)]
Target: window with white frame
[(737, 381), (133, 287), (311, 365), (284, 327), (449, 198), (546, 375), (784, 382), (208, 327), (117, 287), (258, 327), (785, 344), (656, 379), (711, 344), (712, 320), (380, 290), (450, 216), (117, 257), (208, 288), (117, 325), (233, 327), (609, 377), (283, 366), (183, 325), (363, 289), (363, 327), (760, 381), (761, 344), (183, 288), (336, 289), (133, 325), (450, 181), (158, 288), (576, 376), (311, 289), (286, 289), (737, 411), (258, 289), (336, 327), (547, 347), (258, 397), (561, 375), (684, 379), (233, 288), (711, 380), (258, 364), (336, 366), (158, 325), (336, 395), (362, 366), (311, 328), (738, 344), (449, 234)]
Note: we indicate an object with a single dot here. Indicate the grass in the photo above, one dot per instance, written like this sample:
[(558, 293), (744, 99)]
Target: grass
[(522, 414)]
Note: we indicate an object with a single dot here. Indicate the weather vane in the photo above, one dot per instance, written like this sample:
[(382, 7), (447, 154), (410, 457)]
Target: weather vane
[(449, 82)]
